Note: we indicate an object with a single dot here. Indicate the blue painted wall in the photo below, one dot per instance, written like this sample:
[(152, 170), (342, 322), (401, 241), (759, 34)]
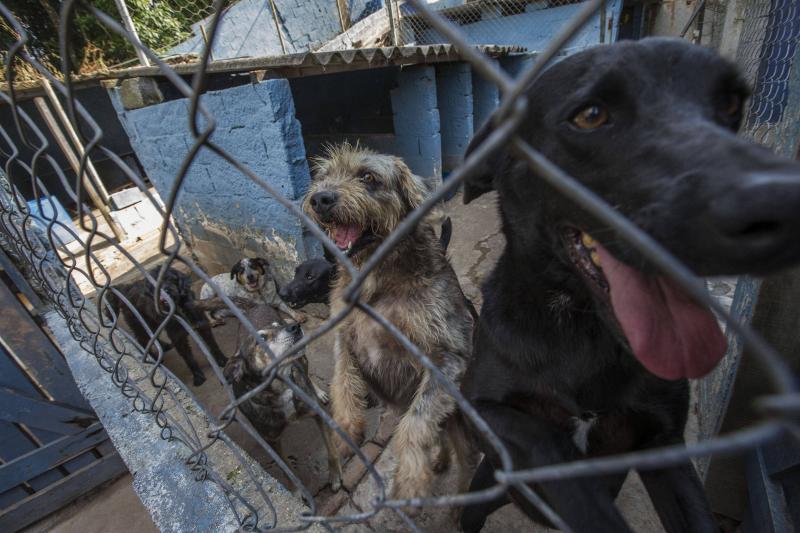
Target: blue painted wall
[(248, 28), (454, 96), (221, 212), (414, 112), (485, 99), (416, 121)]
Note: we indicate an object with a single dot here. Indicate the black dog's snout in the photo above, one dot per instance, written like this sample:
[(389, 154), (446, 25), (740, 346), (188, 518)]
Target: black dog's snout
[(323, 202), (763, 211), (283, 293)]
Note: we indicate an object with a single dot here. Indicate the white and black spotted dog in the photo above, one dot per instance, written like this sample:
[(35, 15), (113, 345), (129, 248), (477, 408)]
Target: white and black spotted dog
[(249, 279)]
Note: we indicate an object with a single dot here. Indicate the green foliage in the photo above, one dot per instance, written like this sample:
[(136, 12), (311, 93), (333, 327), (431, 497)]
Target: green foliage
[(160, 24)]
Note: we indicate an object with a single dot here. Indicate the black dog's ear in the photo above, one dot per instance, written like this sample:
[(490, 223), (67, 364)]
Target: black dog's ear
[(479, 180), (237, 269), (184, 285)]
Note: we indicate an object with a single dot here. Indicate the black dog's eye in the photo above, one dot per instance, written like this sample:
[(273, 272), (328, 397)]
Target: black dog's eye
[(591, 117), (731, 104), (309, 276)]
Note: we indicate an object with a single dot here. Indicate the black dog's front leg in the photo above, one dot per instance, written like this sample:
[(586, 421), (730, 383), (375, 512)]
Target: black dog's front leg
[(679, 499), (584, 504), (473, 517), (197, 318)]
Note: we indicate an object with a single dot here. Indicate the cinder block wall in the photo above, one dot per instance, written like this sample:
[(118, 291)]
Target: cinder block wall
[(221, 212), (454, 96), (485, 99), (416, 121), (411, 109)]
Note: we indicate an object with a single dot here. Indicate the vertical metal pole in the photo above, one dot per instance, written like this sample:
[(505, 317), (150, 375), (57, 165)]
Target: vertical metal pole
[(63, 143), (128, 22), (344, 14), (205, 40), (392, 24), (277, 24), (76, 142)]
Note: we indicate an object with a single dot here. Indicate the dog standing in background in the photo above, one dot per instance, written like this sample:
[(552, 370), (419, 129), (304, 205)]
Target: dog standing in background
[(177, 287), (359, 197), (274, 408), (249, 279)]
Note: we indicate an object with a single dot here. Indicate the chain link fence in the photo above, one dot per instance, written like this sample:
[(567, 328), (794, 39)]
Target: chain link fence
[(154, 390), (480, 21)]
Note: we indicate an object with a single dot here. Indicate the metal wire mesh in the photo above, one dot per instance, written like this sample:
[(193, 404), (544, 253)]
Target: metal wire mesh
[(154, 390), (481, 21)]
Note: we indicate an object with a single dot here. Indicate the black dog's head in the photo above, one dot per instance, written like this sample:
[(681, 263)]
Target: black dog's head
[(650, 126), (250, 273), (311, 283), (176, 286)]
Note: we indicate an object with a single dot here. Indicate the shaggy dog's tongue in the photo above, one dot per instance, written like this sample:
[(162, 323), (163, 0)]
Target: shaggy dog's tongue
[(670, 334), (346, 235)]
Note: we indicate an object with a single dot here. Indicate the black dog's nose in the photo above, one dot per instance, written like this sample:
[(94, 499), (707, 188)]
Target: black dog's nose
[(294, 328), (283, 293), (322, 202), (761, 212)]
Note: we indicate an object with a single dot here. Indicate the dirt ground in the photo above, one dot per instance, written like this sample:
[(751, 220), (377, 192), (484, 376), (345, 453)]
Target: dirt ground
[(475, 246)]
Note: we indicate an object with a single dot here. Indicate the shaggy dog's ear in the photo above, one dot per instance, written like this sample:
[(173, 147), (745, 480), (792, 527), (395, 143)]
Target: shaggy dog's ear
[(237, 269), (412, 187)]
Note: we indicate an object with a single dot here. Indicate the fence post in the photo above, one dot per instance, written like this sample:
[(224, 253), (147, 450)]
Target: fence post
[(128, 22), (63, 143), (392, 22)]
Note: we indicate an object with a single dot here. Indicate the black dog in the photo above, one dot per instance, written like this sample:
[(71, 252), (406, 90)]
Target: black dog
[(313, 278), (176, 287), (583, 347), (311, 283)]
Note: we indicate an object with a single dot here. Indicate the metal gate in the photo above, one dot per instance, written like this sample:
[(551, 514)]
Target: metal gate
[(52, 447)]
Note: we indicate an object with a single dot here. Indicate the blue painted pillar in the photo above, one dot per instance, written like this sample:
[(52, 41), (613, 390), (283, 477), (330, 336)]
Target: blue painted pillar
[(416, 122), (454, 95), (485, 98), (221, 212)]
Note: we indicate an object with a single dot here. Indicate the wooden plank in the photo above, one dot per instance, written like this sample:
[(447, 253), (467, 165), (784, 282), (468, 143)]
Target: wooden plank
[(52, 416), (43, 459), (59, 494), (16, 444), (35, 351), (19, 280)]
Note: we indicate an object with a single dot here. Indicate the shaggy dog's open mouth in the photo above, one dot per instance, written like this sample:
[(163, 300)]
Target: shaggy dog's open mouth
[(351, 238), (669, 333)]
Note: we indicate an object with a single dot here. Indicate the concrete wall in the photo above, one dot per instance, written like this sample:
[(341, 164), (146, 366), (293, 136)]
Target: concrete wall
[(416, 121), (415, 135), (221, 212), (485, 99), (454, 96)]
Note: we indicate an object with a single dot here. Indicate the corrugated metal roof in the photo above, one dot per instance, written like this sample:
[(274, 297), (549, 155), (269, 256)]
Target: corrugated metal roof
[(287, 66)]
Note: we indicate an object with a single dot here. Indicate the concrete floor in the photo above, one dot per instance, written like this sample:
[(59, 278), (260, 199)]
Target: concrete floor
[(475, 246)]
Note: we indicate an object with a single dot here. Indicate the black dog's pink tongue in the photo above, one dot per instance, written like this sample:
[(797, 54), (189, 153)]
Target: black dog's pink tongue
[(670, 334), (346, 235)]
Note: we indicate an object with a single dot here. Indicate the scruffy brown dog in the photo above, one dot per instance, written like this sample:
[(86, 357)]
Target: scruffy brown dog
[(359, 197)]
